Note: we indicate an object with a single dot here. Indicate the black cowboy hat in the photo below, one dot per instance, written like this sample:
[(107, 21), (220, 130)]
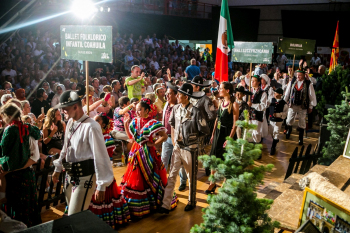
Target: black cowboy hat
[(68, 98), (171, 86), (279, 91), (242, 90), (187, 89), (198, 81)]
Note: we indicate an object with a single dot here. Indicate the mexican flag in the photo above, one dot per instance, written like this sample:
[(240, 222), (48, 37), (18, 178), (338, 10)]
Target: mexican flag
[(225, 44)]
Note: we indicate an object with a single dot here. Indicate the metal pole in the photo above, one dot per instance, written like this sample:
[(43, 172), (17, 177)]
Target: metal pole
[(87, 86), (18, 13)]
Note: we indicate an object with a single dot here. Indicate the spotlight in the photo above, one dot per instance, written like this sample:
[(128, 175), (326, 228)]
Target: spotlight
[(109, 9), (83, 8), (101, 8)]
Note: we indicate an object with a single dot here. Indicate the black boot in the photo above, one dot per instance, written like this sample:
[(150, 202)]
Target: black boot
[(273, 147), (301, 136), (289, 131)]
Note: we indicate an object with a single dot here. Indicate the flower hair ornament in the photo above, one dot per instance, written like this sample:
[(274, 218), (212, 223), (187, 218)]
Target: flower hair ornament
[(109, 127), (146, 100)]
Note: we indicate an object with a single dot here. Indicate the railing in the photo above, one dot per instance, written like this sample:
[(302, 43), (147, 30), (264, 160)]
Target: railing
[(48, 198), (306, 160), (182, 8)]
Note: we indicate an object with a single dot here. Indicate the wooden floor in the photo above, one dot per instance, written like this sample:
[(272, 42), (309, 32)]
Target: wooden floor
[(180, 221)]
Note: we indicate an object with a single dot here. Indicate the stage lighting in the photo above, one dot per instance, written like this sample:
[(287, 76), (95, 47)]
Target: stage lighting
[(109, 9), (83, 8), (101, 8)]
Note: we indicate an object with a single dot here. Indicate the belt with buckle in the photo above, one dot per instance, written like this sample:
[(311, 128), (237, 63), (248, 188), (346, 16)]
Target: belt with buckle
[(80, 169)]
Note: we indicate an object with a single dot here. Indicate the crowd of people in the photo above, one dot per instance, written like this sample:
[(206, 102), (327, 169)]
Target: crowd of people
[(161, 99)]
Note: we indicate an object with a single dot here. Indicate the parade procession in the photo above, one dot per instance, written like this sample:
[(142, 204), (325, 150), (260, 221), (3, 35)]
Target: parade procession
[(174, 116)]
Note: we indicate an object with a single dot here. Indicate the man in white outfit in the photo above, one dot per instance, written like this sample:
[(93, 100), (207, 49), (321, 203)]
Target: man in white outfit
[(301, 96), (84, 157)]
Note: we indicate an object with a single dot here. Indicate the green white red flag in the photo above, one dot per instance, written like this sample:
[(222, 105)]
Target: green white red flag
[(225, 43)]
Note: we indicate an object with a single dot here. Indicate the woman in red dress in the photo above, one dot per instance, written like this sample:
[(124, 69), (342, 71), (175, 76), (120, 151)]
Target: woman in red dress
[(145, 176), (114, 210)]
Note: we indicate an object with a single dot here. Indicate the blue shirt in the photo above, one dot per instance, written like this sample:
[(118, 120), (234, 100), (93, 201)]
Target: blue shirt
[(192, 71)]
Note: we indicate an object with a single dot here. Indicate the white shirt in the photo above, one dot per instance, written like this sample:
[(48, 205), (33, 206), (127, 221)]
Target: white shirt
[(87, 143), (12, 73), (34, 83), (315, 61), (263, 102), (149, 41), (148, 89), (312, 95), (155, 63), (37, 52), (270, 95)]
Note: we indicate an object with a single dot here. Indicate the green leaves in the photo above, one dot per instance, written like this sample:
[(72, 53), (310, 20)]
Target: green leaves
[(235, 208)]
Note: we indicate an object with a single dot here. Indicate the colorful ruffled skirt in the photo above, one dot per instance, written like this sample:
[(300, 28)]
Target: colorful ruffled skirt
[(114, 210), (144, 181)]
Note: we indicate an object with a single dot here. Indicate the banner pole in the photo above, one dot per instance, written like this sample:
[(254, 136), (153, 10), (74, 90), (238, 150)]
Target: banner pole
[(293, 66), (250, 75), (87, 85)]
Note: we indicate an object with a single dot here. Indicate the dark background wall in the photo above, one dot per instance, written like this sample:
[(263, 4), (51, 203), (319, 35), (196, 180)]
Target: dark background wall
[(317, 25)]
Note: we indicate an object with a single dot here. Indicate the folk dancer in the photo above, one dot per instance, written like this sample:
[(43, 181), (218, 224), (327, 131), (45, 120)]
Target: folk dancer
[(86, 161), (302, 98), (258, 104), (187, 125), (278, 112)]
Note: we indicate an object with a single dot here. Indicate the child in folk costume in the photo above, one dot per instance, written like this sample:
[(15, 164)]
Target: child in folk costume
[(258, 103), (114, 210), (278, 112), (266, 86)]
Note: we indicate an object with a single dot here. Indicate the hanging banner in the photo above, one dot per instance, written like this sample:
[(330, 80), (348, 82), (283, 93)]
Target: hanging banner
[(252, 52), (296, 46), (87, 43)]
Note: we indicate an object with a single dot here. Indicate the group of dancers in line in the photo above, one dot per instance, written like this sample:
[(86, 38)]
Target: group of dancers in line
[(145, 186)]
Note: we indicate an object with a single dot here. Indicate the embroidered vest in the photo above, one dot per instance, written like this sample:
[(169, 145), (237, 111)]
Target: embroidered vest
[(255, 114), (300, 96), (276, 107)]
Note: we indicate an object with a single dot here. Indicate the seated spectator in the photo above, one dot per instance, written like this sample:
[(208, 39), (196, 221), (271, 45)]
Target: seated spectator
[(50, 94), (26, 110), (124, 108), (40, 102), (56, 98), (73, 86), (20, 94), (53, 131), (160, 101)]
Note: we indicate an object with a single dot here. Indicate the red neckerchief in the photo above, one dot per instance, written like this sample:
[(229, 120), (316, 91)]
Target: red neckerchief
[(300, 88), (21, 129), (263, 87)]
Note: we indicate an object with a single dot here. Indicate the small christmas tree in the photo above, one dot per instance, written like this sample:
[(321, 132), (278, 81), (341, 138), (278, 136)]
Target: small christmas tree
[(236, 207), (333, 84), (338, 125)]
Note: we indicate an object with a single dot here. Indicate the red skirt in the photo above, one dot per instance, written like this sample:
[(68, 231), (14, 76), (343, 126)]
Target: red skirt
[(144, 181), (114, 210)]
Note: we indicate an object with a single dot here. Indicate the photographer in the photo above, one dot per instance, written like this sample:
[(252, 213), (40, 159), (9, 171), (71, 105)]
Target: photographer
[(134, 83)]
